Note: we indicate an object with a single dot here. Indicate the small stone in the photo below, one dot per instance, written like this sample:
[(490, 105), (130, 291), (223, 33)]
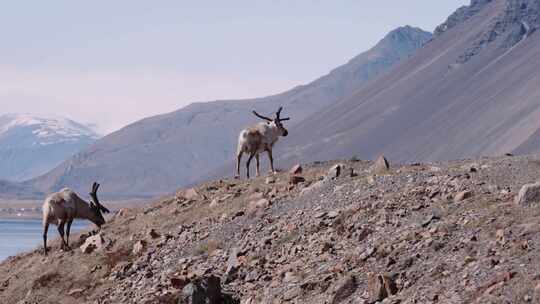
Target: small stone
[(270, 180), (332, 214), (214, 203), (463, 195), (258, 204), (191, 194), (501, 236), (296, 179), (297, 169), (292, 293), (528, 195), (335, 171), (139, 247), (320, 214), (77, 292), (153, 234), (232, 266), (93, 243), (381, 165), (537, 293)]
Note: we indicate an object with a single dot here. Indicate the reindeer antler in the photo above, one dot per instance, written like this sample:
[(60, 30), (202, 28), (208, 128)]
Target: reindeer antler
[(262, 117), (279, 113), (93, 194)]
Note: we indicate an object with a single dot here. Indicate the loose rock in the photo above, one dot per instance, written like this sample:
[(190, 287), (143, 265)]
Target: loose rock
[(528, 195)]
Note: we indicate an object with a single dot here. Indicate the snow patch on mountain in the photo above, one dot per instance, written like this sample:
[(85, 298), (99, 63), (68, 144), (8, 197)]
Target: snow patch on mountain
[(47, 130)]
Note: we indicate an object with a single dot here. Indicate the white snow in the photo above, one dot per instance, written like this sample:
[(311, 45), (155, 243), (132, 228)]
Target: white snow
[(47, 130)]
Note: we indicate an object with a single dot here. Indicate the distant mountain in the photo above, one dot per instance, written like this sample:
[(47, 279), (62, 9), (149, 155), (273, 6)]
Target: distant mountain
[(32, 145), (474, 90), (158, 154)]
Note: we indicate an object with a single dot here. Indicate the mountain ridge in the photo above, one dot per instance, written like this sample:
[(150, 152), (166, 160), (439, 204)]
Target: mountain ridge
[(159, 154), (31, 145)]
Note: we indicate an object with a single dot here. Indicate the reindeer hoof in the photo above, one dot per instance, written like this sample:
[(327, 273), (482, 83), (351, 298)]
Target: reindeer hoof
[(237, 177)]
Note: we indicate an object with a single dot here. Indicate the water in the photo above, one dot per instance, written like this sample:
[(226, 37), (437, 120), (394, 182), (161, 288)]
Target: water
[(20, 235)]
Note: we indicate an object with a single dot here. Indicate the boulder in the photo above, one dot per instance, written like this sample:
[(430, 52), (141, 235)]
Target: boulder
[(381, 165), (528, 195), (206, 290), (93, 243)]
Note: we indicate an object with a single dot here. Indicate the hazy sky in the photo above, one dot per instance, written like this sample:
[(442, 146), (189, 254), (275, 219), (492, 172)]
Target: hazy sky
[(113, 62)]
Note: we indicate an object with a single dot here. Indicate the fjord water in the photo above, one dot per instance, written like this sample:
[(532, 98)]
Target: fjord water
[(20, 235)]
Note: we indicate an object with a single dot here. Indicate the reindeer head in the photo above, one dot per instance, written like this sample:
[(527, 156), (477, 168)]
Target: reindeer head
[(96, 207), (276, 121)]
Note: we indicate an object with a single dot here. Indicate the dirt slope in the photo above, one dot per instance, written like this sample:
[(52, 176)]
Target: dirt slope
[(441, 233)]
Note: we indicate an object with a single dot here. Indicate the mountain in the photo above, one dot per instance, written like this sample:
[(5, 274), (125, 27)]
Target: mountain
[(32, 145), (158, 154), (474, 90)]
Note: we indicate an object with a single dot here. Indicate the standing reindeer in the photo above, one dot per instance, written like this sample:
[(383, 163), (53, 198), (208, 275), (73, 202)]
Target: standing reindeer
[(63, 207), (259, 138)]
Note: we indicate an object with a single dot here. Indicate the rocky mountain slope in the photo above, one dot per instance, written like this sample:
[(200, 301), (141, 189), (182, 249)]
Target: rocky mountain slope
[(427, 233), (32, 145), (472, 91), (157, 154)]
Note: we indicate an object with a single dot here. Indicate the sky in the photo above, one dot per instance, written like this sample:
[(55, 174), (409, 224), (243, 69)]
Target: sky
[(110, 63)]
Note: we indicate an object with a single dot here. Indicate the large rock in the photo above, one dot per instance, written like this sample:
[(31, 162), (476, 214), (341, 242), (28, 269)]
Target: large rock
[(381, 165), (380, 287), (232, 266), (528, 195), (345, 289), (93, 243), (206, 290)]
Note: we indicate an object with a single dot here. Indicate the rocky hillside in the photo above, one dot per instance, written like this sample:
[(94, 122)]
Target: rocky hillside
[(473, 90), (157, 154), (347, 232), (32, 145)]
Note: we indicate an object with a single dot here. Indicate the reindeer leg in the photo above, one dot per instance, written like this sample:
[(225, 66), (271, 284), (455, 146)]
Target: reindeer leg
[(45, 230), (238, 159), (61, 232), (248, 162), (257, 159), (271, 161), (68, 231)]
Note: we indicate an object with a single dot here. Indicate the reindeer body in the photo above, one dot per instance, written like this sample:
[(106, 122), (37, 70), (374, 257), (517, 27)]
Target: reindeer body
[(63, 207), (259, 138)]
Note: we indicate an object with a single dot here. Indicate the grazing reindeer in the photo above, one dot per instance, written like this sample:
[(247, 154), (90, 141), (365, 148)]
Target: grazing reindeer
[(259, 138), (63, 207)]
